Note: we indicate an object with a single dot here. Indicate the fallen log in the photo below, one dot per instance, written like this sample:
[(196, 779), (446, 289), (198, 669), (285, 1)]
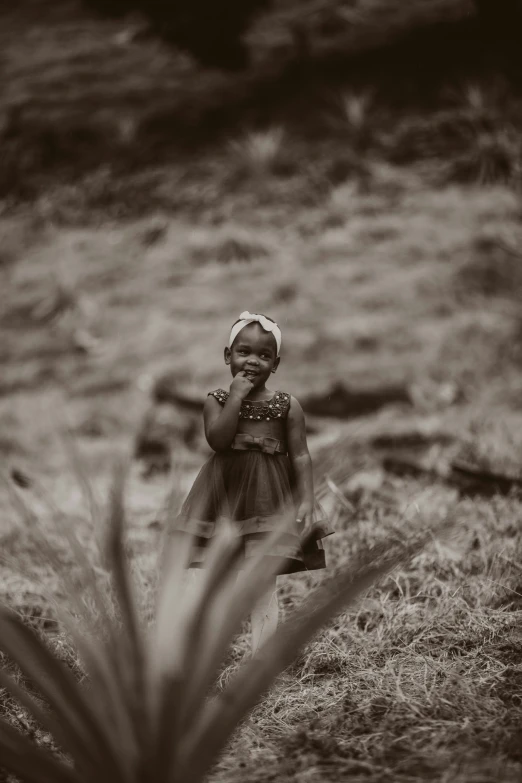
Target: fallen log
[(470, 481), (166, 391), (341, 402), (478, 481), (405, 467), (163, 427), (410, 440)]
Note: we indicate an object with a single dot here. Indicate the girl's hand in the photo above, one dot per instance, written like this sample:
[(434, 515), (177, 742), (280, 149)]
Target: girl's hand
[(241, 386), (305, 519)]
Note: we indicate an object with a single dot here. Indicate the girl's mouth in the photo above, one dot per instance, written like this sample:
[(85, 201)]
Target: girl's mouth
[(250, 373)]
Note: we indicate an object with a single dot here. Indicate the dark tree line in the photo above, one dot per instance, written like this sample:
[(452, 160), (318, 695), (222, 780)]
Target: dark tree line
[(501, 14), (212, 30), (500, 25)]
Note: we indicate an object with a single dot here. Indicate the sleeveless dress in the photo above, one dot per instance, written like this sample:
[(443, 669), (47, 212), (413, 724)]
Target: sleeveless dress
[(252, 485)]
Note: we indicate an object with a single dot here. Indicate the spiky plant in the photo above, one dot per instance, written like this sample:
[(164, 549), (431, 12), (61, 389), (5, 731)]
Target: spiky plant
[(492, 156), (259, 152), (355, 107), (148, 713), (352, 118)]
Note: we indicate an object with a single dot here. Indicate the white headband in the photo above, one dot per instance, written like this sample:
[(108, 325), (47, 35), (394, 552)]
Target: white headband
[(248, 318)]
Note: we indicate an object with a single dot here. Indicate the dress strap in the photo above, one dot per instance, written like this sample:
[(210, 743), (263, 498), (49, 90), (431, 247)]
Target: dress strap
[(220, 394)]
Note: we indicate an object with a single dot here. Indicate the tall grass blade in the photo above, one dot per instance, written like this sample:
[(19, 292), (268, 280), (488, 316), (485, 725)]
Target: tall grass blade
[(102, 607), (23, 758), (165, 653), (58, 687), (233, 601), (168, 728), (192, 622), (32, 523), (70, 741), (130, 644), (224, 714), (105, 690), (81, 474), (96, 621), (207, 632), (222, 565), (166, 641)]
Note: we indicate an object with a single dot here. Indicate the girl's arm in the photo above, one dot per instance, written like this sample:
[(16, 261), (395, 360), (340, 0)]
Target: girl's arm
[(301, 463), (221, 422)]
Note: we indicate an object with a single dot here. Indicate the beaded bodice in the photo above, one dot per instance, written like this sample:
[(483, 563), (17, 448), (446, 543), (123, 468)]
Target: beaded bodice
[(274, 408)]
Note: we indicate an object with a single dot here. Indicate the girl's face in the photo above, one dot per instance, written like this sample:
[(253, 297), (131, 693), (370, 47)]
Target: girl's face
[(255, 352)]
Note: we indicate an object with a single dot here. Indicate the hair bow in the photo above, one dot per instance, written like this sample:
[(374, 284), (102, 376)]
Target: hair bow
[(247, 318)]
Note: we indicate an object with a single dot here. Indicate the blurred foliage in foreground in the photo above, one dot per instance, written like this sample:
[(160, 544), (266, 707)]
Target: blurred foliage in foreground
[(145, 714)]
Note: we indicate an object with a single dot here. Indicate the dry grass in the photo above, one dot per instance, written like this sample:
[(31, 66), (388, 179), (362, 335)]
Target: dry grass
[(423, 679), (420, 676), (150, 650)]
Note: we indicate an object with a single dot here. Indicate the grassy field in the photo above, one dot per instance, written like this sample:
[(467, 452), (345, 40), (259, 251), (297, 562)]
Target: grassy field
[(397, 282), (379, 274)]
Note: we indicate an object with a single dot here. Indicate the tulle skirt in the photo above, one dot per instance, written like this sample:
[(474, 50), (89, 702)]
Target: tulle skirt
[(256, 492)]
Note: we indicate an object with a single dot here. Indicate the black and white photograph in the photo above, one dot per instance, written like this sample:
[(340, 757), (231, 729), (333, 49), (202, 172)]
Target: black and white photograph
[(260, 391)]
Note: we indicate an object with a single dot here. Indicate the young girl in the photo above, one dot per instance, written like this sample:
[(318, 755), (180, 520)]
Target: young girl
[(261, 473)]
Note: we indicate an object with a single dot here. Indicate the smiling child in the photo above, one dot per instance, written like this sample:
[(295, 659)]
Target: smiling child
[(260, 476)]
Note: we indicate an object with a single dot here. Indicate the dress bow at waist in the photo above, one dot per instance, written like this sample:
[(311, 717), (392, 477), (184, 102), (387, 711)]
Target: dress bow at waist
[(246, 442)]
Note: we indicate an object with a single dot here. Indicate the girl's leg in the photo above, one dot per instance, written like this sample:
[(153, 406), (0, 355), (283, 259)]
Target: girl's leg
[(265, 617)]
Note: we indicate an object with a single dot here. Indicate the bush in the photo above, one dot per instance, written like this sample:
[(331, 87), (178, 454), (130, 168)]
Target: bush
[(493, 156), (259, 154), (354, 119), (494, 269)]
